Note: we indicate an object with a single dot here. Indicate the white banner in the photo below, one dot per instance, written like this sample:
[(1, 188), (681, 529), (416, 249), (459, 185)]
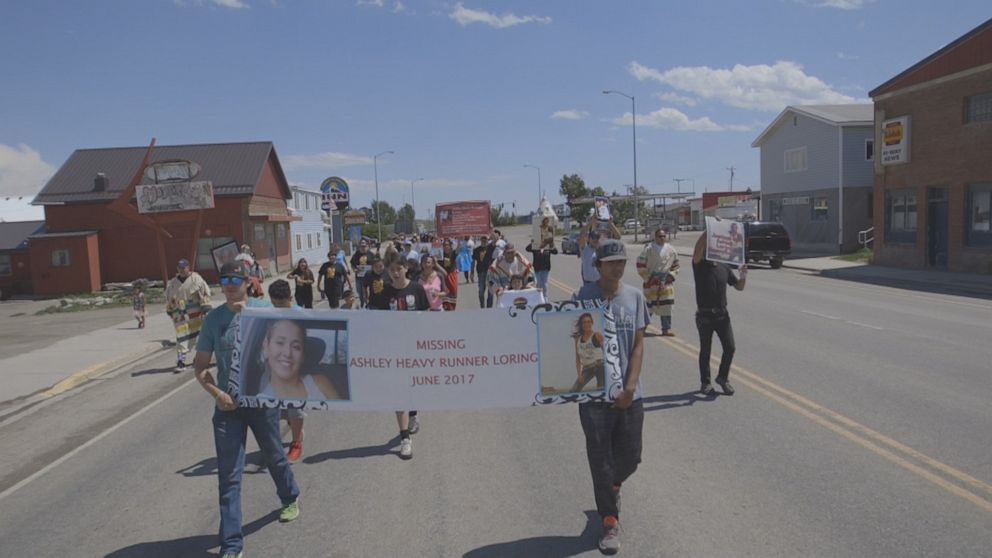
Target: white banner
[(724, 241), (381, 360)]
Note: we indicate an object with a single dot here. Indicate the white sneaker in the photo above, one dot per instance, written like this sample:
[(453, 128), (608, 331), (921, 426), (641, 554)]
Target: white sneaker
[(414, 426), (406, 448)]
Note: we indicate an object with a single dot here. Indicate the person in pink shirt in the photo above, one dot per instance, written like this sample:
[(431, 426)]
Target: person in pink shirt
[(432, 283)]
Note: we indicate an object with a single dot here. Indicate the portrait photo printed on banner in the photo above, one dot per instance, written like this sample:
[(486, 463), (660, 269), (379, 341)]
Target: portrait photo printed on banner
[(224, 253), (292, 359), (572, 353), (725, 241)]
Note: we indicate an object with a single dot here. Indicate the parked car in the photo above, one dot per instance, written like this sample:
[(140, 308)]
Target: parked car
[(767, 241), (570, 244), (632, 225)]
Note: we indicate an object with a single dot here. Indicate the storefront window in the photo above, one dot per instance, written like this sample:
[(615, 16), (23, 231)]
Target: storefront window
[(5, 268), (820, 209), (60, 258), (204, 247), (900, 222), (979, 221)]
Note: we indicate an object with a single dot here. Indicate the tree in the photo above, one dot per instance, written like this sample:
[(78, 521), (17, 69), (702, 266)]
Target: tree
[(573, 187), (406, 213), (384, 210), (623, 210)]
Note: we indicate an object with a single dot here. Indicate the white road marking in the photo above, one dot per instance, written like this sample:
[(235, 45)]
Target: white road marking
[(90, 442)]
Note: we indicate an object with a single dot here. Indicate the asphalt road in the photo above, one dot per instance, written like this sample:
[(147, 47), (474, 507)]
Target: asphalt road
[(861, 427)]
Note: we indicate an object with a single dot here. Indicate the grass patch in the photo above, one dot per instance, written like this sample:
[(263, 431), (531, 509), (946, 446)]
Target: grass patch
[(96, 301), (864, 255)]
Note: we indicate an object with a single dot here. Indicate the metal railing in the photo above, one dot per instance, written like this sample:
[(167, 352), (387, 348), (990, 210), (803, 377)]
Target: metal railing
[(866, 237)]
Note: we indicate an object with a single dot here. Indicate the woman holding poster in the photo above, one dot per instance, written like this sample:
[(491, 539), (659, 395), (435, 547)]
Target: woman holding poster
[(588, 354)]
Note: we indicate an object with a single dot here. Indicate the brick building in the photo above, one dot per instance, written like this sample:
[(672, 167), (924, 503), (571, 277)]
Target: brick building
[(933, 163), (15, 262), (86, 245)]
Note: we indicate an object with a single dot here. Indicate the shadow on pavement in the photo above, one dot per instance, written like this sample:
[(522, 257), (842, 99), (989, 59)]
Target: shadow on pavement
[(187, 547), (364, 451), (675, 401), (169, 369), (208, 467), (552, 546)]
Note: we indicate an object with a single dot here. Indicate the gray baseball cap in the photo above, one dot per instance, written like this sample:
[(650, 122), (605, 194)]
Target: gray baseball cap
[(611, 250)]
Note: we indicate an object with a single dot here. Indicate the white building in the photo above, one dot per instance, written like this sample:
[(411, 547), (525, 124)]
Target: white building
[(308, 237)]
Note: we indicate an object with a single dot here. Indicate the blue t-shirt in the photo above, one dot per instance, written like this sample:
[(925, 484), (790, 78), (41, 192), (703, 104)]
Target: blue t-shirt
[(630, 313), (219, 334)]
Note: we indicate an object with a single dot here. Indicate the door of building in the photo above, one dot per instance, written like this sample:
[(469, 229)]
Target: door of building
[(937, 227), (270, 241)]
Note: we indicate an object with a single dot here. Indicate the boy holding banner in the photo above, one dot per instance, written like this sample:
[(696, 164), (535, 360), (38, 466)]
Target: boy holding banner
[(231, 423), (613, 429)]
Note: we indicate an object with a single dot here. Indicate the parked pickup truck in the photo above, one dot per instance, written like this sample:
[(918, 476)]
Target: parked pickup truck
[(767, 241)]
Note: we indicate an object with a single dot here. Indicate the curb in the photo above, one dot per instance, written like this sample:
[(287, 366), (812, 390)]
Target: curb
[(25, 402)]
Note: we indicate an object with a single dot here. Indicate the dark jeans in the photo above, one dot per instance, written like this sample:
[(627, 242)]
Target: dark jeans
[(360, 285), (230, 434), (613, 446), (707, 322), (304, 296), (485, 295)]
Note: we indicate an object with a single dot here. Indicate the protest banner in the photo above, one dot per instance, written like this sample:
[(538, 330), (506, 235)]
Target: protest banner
[(465, 218), (543, 224), (369, 360), (724, 241)]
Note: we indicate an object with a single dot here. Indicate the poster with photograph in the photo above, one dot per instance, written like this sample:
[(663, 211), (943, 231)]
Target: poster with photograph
[(725, 241), (293, 358), (543, 224), (224, 253), (573, 356)]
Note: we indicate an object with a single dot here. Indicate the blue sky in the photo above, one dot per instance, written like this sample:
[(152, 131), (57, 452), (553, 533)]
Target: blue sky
[(465, 93)]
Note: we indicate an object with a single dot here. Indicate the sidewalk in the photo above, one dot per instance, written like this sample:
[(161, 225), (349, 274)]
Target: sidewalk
[(929, 281), (83, 351)]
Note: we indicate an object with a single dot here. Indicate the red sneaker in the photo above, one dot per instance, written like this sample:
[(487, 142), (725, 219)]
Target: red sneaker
[(295, 452)]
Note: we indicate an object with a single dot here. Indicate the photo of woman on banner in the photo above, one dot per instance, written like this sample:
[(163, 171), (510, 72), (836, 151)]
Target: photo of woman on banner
[(294, 359), (571, 352), (588, 354)]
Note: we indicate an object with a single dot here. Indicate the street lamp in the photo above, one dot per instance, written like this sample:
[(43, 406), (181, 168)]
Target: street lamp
[(633, 120), (412, 203), (539, 192), (378, 208)]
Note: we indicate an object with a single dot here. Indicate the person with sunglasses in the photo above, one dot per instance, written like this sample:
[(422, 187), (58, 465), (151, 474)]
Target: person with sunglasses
[(231, 422)]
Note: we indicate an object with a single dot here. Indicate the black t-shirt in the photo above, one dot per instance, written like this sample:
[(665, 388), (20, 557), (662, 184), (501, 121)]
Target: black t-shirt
[(333, 274), (410, 297), (483, 257), (712, 279), (377, 297), (542, 258), (358, 259)]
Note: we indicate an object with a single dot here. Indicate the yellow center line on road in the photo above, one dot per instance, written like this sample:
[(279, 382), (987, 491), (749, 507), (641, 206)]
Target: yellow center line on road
[(846, 427)]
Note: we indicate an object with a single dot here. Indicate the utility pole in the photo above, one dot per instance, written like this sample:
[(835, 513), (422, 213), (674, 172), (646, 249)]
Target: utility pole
[(678, 184), (731, 169)]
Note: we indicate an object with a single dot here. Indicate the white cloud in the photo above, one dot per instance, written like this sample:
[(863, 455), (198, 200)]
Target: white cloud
[(844, 56), (232, 4), (667, 118), (676, 98), (373, 3), (838, 4), (758, 87), (570, 115), (399, 7), (326, 160), (22, 172), (465, 16)]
